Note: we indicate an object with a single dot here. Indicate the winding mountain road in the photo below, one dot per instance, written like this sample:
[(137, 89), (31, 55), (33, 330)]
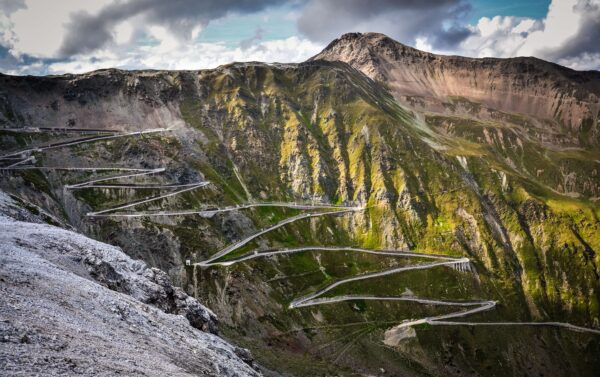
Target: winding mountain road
[(91, 183), (83, 140), (241, 243), (53, 130), (20, 162), (211, 212), (148, 200), (267, 253), (460, 263)]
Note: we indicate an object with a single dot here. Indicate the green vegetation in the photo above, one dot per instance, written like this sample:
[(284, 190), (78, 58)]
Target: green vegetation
[(525, 213)]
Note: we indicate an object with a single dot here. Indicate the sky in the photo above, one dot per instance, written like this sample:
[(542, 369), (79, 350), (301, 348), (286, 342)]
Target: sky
[(40, 37)]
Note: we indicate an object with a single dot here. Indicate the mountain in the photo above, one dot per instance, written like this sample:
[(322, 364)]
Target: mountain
[(315, 207), (530, 86)]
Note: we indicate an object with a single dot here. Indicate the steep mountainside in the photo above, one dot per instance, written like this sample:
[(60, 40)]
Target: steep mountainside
[(571, 99), (375, 168)]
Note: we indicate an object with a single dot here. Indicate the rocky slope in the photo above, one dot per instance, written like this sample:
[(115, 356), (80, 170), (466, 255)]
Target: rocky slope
[(74, 306), (514, 192), (523, 85)]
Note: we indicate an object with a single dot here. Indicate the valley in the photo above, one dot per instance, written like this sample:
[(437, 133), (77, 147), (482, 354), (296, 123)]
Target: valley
[(333, 216)]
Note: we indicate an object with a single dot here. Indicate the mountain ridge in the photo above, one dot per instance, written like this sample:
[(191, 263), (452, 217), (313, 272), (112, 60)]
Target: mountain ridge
[(514, 193), (523, 84), (372, 41)]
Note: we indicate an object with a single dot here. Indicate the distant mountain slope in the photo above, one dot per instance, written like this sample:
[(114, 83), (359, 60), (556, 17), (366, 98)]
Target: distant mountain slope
[(525, 85)]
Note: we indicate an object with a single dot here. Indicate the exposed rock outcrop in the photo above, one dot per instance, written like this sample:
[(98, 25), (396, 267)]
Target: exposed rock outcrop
[(525, 84), (72, 305)]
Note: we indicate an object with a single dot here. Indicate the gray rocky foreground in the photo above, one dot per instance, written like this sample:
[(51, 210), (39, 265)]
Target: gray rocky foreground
[(73, 306)]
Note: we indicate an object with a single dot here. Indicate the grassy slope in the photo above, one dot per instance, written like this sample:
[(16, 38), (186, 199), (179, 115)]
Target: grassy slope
[(328, 132)]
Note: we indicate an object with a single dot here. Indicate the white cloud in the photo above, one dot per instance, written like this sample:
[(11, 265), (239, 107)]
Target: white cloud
[(37, 31), (40, 27), (498, 36), (562, 23), (582, 62), (422, 43), (131, 35), (563, 36), (123, 32), (169, 53), (7, 34)]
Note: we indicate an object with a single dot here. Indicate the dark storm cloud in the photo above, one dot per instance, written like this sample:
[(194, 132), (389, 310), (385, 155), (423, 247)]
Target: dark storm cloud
[(450, 37), (87, 33), (405, 20)]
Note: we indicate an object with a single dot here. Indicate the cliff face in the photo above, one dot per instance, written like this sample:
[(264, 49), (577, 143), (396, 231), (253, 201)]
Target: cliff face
[(523, 85), (516, 192)]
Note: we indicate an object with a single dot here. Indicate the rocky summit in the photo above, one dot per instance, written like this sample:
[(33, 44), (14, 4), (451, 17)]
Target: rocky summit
[(375, 210)]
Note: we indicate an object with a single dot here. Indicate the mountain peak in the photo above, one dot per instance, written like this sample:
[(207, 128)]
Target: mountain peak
[(365, 40), (524, 84), (367, 52)]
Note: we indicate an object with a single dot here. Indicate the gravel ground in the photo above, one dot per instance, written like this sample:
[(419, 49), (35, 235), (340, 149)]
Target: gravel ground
[(74, 306)]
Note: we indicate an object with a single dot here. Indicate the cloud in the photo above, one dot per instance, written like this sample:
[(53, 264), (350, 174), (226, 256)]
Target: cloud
[(572, 29), (85, 35), (439, 21), (248, 42), (133, 34), (7, 34), (183, 18), (65, 28), (170, 54), (568, 35), (11, 6), (39, 28)]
